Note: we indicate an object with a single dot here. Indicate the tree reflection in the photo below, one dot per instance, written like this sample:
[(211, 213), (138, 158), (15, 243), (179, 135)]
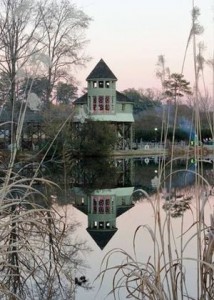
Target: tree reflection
[(177, 207), (97, 173)]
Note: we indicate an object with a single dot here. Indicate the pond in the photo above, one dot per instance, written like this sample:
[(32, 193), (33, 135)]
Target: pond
[(142, 217), (144, 225)]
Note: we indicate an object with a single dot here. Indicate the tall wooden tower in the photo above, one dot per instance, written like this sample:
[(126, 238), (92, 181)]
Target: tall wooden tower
[(103, 102)]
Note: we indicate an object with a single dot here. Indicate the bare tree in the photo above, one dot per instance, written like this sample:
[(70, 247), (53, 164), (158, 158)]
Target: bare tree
[(19, 21), (64, 25)]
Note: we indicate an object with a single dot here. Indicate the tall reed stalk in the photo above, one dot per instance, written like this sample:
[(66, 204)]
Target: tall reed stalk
[(164, 274), (38, 257)]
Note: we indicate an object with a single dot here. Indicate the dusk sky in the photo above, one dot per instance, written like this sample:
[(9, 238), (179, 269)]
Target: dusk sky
[(130, 35)]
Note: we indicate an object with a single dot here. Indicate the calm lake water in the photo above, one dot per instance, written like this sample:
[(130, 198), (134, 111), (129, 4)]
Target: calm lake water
[(109, 200), (146, 224)]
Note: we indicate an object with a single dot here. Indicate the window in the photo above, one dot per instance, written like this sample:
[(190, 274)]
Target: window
[(101, 84), (94, 103), (101, 224), (95, 224), (108, 206), (101, 204), (107, 103), (123, 107), (94, 84), (112, 104), (94, 205), (101, 103), (107, 225), (107, 84)]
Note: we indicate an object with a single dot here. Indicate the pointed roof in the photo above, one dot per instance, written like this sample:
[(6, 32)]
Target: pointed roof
[(101, 71), (101, 237)]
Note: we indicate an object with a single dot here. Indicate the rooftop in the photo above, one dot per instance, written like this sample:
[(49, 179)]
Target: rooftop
[(101, 71)]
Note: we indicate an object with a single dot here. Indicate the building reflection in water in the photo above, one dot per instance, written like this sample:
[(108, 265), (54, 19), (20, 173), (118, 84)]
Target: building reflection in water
[(103, 200), (104, 190), (103, 207)]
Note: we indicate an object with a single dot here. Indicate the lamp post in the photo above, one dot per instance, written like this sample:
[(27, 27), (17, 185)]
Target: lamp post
[(155, 134)]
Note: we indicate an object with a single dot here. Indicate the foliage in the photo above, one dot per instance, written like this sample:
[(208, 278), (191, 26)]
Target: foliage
[(93, 139), (150, 135), (56, 125), (176, 86), (143, 99), (96, 173), (37, 85), (66, 92)]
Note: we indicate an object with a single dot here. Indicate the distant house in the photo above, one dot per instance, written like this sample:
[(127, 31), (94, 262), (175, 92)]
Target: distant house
[(32, 131), (103, 102)]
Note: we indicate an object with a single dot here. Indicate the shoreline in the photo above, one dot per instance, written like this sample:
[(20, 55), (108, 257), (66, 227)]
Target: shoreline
[(177, 151), (188, 150)]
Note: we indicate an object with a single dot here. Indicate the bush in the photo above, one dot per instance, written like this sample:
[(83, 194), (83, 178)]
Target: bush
[(93, 139)]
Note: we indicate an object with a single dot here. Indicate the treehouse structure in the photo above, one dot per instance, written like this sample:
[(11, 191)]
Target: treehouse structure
[(103, 102)]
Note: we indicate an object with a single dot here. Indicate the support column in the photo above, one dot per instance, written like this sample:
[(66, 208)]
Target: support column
[(123, 136), (131, 136)]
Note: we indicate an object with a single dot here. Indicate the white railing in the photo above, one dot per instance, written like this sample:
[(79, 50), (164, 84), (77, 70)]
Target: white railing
[(149, 145), (155, 145)]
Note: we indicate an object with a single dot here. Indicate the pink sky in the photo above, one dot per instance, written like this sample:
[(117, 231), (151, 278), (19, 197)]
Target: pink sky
[(130, 35)]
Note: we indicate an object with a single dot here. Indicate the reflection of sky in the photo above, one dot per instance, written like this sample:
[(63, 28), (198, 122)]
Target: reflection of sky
[(140, 214)]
